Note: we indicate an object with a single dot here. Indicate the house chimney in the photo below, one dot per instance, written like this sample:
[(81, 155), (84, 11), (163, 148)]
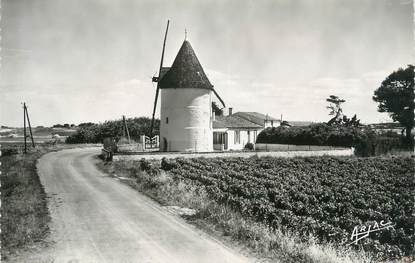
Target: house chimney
[(230, 111)]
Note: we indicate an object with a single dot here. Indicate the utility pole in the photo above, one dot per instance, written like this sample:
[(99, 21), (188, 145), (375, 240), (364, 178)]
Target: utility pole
[(126, 129), (30, 127), (26, 116), (24, 127)]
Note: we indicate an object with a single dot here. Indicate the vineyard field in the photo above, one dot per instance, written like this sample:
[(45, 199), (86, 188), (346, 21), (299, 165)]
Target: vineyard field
[(326, 197)]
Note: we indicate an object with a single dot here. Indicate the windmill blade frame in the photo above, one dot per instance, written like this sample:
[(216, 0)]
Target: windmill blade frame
[(157, 79)]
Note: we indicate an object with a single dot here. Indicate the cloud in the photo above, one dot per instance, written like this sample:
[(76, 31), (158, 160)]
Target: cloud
[(300, 100), (357, 92)]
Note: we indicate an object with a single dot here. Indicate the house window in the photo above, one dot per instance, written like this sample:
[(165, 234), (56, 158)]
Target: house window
[(237, 138), (167, 120), (218, 137)]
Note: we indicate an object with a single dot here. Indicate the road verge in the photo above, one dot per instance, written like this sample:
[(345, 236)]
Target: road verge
[(222, 221)]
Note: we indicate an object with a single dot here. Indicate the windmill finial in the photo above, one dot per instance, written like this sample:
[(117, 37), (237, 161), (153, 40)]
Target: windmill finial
[(185, 34)]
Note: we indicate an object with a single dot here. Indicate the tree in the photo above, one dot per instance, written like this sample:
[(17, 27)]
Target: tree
[(353, 122), (396, 97), (285, 124), (85, 124), (335, 108), (218, 111)]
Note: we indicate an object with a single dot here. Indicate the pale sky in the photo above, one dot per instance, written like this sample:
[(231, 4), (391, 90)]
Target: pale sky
[(92, 60)]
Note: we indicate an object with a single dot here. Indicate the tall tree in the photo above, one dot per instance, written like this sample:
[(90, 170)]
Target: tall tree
[(396, 96), (335, 108)]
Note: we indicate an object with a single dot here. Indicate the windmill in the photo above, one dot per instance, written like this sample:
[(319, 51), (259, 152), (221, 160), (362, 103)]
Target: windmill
[(156, 79), (186, 114)]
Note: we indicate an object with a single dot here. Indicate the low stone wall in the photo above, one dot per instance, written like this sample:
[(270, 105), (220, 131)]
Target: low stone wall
[(291, 147), (132, 147), (218, 147), (281, 154)]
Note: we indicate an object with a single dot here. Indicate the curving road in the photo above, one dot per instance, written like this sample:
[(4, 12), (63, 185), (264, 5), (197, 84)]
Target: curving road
[(96, 218)]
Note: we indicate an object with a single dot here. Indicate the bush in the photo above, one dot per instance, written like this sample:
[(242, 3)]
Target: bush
[(147, 167), (95, 133), (365, 140), (249, 146), (374, 145), (167, 164), (9, 151), (315, 134), (86, 124)]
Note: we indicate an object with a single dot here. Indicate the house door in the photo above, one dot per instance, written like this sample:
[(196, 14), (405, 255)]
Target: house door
[(225, 140), (164, 145), (220, 138)]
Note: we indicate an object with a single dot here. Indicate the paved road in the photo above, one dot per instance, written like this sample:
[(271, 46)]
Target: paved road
[(96, 218)]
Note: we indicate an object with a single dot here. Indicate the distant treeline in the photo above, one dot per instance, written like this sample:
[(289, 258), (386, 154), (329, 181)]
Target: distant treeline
[(95, 133), (66, 125), (365, 140)]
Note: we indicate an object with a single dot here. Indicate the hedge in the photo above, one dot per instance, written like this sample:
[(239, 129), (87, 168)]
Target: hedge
[(96, 133), (365, 140)]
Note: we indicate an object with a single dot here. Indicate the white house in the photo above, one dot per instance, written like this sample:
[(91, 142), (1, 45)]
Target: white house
[(265, 121), (234, 131)]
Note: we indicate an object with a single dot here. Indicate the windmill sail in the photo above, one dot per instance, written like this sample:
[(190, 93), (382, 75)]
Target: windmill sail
[(157, 80)]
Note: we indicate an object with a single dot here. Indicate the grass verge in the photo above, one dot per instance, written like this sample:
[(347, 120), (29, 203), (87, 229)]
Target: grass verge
[(226, 223), (24, 212)]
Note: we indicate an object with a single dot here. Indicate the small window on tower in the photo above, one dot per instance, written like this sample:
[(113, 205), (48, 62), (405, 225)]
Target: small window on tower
[(167, 120)]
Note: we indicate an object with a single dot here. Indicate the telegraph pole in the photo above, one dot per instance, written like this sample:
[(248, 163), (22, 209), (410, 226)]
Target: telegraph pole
[(24, 126), (26, 116), (126, 129), (30, 127)]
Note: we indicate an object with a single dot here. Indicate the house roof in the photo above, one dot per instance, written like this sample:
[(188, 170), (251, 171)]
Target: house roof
[(163, 71), (186, 71), (255, 117), (234, 122)]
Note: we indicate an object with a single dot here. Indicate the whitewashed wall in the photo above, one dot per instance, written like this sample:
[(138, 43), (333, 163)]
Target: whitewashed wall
[(279, 154), (244, 139), (290, 147), (189, 114)]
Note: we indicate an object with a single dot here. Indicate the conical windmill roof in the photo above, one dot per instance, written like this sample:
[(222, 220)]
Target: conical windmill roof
[(186, 71)]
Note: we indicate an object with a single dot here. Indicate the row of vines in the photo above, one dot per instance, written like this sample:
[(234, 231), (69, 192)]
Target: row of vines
[(324, 196)]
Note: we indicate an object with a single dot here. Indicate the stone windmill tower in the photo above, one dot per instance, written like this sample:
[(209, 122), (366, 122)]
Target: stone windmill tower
[(186, 105), (186, 116)]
